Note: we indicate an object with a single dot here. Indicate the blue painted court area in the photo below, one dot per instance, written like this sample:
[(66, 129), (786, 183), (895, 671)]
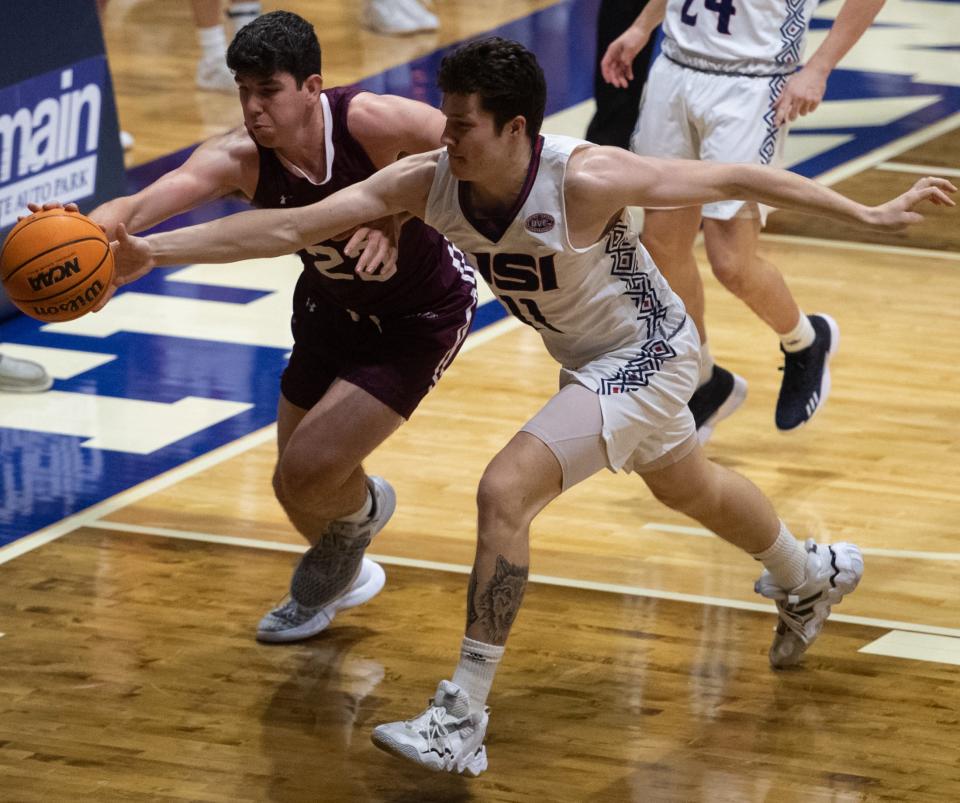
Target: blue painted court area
[(47, 476)]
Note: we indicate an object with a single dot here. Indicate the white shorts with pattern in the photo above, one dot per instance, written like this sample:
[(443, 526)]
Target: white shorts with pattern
[(644, 429), (690, 114)]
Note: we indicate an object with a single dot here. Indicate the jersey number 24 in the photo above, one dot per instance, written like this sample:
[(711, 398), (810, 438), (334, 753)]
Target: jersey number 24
[(722, 8)]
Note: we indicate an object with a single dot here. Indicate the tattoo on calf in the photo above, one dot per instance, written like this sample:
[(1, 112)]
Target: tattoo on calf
[(497, 605), (472, 614)]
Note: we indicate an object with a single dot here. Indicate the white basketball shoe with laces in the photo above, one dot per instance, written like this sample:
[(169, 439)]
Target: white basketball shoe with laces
[(833, 571), (333, 574), (214, 75), (446, 737), (397, 17)]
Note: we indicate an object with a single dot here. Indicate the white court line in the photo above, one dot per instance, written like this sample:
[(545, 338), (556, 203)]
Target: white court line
[(916, 647), (851, 245), (189, 535), (921, 170), (700, 532), (88, 517), (888, 151), (564, 582), (679, 529)]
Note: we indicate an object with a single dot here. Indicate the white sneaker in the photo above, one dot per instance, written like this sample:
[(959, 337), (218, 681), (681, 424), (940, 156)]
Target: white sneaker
[(291, 621), (214, 75), (833, 571), (397, 17), (446, 737), (416, 11), (22, 376), (126, 140)]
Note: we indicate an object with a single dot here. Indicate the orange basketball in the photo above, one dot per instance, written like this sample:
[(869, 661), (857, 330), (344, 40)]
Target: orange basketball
[(55, 265)]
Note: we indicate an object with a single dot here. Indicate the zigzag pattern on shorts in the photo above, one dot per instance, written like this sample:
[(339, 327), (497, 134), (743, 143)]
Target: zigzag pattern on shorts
[(769, 145), (624, 265), (791, 33), (636, 373)]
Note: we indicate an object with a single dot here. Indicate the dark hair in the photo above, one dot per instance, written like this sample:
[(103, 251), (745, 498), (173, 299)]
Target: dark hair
[(504, 74), (279, 41)]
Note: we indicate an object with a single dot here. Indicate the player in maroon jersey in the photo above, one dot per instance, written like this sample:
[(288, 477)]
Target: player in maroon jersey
[(378, 313)]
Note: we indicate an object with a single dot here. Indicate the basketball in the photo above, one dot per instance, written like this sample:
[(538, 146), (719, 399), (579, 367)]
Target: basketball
[(55, 265)]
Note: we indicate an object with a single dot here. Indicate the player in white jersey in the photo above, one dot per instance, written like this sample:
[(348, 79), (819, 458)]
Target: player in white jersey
[(727, 82), (543, 218)]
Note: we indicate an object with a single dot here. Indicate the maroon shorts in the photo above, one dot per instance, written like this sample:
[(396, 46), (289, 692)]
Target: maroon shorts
[(396, 360)]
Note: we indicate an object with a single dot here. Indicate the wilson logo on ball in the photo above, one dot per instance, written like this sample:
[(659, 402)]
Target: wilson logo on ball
[(77, 304)]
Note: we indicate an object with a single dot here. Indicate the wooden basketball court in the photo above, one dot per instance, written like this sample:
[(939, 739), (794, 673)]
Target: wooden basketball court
[(637, 669)]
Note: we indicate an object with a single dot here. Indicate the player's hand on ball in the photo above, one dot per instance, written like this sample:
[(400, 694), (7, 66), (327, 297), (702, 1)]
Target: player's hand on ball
[(901, 212), (133, 259), (34, 208)]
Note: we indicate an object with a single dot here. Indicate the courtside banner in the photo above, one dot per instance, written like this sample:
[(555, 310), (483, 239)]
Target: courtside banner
[(59, 138), (49, 137)]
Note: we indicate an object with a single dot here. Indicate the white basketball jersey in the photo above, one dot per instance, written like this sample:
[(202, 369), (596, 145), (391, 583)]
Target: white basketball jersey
[(752, 37), (602, 311)]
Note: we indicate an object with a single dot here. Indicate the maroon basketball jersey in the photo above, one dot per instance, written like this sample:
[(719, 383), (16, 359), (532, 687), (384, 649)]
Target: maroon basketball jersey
[(425, 274)]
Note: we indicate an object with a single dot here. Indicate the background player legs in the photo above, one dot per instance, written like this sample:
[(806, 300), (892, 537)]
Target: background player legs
[(808, 342), (732, 250), (319, 476), (212, 72)]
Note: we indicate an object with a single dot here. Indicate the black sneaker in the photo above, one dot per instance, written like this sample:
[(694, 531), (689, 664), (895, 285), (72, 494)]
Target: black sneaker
[(806, 376), (716, 399)]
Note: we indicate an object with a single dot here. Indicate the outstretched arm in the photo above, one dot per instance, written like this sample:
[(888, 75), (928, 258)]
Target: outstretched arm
[(221, 165), (403, 186), (602, 180)]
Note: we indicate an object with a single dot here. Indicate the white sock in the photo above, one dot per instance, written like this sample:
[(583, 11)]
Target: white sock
[(786, 559), (241, 14), (800, 337), (474, 674), (360, 516), (706, 365), (213, 42)]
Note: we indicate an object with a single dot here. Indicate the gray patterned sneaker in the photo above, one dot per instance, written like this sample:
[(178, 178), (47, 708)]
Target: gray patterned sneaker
[(806, 376), (328, 571), (330, 566), (291, 621), (446, 737), (833, 571)]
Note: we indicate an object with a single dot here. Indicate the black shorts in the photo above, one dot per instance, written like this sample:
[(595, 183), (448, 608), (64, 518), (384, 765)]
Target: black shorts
[(396, 360)]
